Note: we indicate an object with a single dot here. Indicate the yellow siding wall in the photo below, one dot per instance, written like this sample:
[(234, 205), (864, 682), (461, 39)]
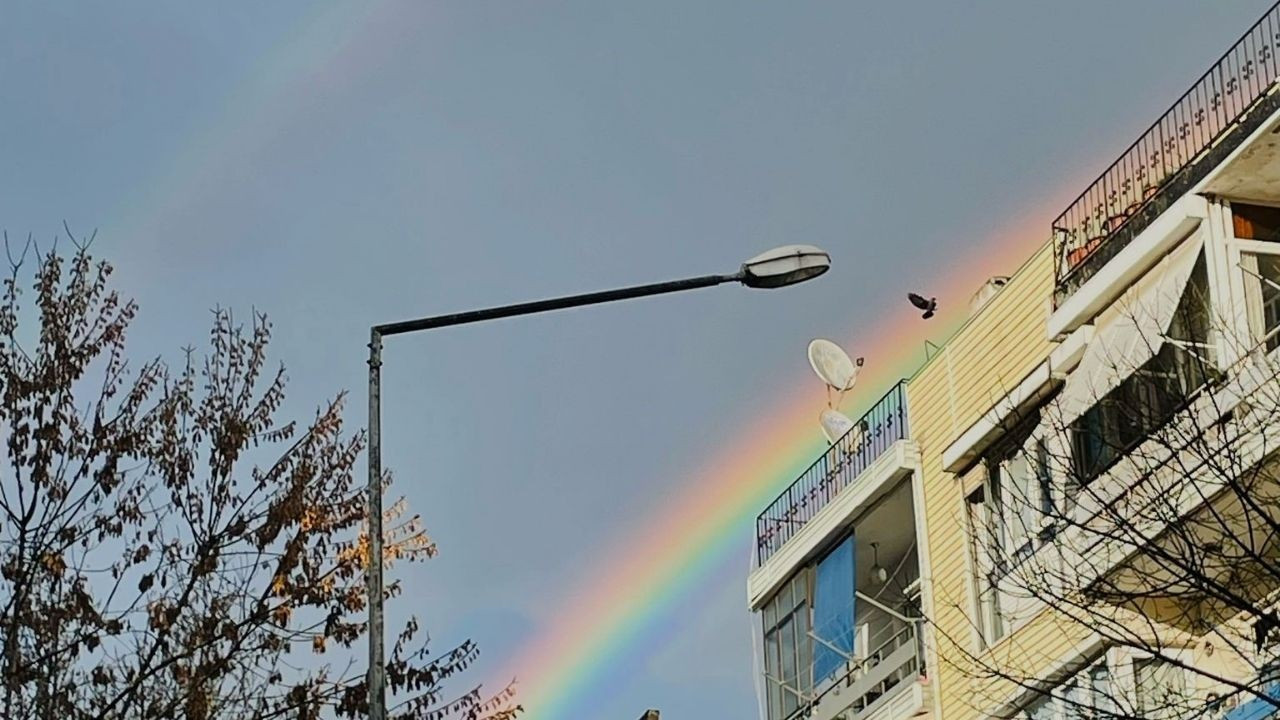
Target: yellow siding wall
[(983, 361)]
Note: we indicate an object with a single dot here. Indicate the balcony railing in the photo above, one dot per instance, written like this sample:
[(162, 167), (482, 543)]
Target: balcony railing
[(874, 433), (871, 682), (1194, 135)]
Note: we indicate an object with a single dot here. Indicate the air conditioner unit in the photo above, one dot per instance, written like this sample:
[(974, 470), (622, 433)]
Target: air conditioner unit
[(988, 290)]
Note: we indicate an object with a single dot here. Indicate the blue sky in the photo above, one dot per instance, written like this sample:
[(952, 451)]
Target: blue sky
[(344, 166)]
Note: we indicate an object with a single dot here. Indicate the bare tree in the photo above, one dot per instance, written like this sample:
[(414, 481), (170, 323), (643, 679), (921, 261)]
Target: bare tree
[(169, 545), (1139, 519)]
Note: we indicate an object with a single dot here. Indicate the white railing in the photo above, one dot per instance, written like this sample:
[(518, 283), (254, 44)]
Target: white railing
[(892, 660)]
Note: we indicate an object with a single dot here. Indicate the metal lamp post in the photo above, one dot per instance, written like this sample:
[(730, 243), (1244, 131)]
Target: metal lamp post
[(776, 268)]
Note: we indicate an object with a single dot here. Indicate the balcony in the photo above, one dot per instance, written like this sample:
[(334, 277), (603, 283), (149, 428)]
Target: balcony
[(888, 683), (842, 640), (1195, 135), (873, 435), (1212, 470)]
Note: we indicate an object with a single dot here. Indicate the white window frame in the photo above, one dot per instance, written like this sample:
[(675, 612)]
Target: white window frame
[(777, 686), (1121, 665), (1134, 658), (991, 626), (1011, 609), (1055, 695), (1237, 293), (1255, 249)]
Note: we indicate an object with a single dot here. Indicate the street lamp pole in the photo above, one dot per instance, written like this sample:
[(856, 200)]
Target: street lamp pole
[(775, 268)]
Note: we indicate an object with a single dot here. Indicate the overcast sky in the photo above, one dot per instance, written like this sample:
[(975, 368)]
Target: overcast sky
[(346, 166)]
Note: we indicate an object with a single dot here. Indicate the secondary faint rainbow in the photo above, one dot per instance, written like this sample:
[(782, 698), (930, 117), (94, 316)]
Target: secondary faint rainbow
[(328, 50), (623, 598)]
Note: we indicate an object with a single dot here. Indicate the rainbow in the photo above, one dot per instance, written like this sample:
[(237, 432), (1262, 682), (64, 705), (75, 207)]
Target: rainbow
[(627, 595), (330, 50), (625, 598)]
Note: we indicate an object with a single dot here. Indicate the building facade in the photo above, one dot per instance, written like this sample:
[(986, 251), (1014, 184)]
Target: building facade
[(1073, 508)]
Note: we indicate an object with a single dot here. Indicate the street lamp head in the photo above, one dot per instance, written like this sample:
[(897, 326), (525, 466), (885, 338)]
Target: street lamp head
[(784, 266)]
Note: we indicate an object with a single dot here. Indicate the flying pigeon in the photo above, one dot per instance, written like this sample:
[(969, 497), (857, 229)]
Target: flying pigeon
[(928, 306)]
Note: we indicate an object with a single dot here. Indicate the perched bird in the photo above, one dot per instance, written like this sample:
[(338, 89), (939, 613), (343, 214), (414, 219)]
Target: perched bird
[(928, 306)]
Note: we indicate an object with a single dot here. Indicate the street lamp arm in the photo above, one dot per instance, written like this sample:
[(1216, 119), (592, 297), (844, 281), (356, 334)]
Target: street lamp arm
[(775, 268), (560, 303)]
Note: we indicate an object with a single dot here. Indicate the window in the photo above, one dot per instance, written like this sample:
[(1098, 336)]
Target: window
[(1017, 472), (1016, 479), (1255, 222), (1160, 688), (818, 602), (1262, 297), (1087, 695), (1044, 477), (1022, 479), (787, 649), (1005, 516), (985, 550), (1146, 399), (1041, 709)]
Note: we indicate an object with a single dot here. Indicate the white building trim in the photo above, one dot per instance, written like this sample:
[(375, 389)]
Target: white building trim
[(1028, 392), (1101, 290)]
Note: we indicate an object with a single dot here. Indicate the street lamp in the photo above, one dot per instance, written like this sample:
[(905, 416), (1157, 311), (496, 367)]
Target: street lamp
[(775, 268)]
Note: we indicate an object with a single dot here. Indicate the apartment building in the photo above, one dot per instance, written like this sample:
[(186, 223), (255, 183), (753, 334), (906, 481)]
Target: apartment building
[(1073, 508), (1098, 442)]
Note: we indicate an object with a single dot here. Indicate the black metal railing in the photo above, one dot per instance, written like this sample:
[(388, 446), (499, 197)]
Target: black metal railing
[(1231, 99), (884, 424)]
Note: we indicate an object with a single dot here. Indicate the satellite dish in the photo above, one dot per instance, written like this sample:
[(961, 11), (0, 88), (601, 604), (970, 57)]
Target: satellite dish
[(833, 365), (835, 425)]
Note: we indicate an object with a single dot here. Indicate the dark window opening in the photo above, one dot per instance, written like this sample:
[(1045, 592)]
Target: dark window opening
[(1255, 222), (1153, 394)]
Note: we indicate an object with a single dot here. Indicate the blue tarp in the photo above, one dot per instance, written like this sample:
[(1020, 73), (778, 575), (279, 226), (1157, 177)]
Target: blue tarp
[(833, 610), (1257, 708)]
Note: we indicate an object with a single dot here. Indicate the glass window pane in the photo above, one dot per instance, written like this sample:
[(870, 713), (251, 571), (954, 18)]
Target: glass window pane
[(788, 652), (1044, 477), (787, 641), (977, 556), (804, 651), (1100, 687), (993, 519), (1264, 303), (799, 589), (1075, 701), (771, 654), (995, 620), (1016, 483), (1159, 688), (772, 690), (1041, 708)]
